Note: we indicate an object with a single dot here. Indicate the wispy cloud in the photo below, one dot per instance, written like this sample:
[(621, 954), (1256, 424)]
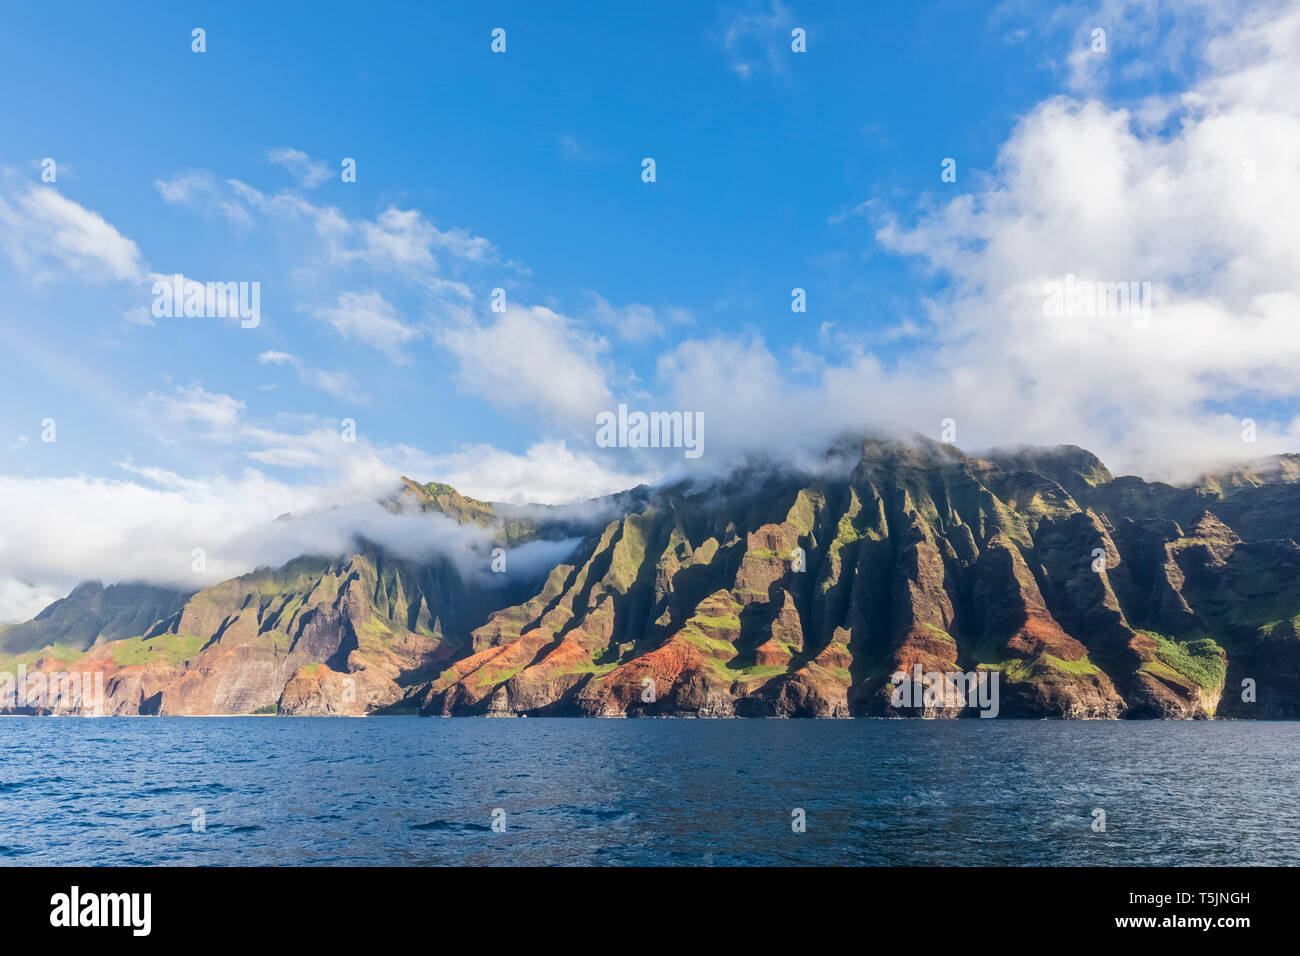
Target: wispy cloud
[(635, 322), (338, 384), (367, 317), (46, 235), (309, 172), (200, 189), (192, 407), (575, 150), (757, 38)]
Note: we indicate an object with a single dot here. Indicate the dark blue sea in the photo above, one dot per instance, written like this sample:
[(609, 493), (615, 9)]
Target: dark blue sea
[(412, 791)]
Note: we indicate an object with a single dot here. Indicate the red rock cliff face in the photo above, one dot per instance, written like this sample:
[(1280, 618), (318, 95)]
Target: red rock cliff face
[(778, 595)]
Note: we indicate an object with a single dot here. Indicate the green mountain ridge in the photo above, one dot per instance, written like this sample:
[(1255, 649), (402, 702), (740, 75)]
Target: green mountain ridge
[(768, 592)]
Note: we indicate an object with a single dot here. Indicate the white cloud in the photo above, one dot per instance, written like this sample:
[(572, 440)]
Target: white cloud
[(55, 532), (635, 322), (548, 473), (533, 359), (62, 530), (302, 167), (65, 530), (406, 239), (1144, 41), (1195, 194), (758, 38), (189, 405), (138, 315), (368, 317), (404, 242), (45, 233), (283, 205), (200, 189), (20, 601), (214, 426), (339, 384)]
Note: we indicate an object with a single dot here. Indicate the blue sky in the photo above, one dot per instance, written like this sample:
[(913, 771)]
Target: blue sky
[(537, 150), (522, 170)]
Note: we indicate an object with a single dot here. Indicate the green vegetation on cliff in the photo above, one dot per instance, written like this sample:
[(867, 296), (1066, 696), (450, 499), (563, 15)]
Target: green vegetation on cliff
[(165, 648), (1200, 660)]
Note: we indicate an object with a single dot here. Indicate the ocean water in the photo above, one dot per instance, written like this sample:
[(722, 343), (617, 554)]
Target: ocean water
[(412, 791)]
